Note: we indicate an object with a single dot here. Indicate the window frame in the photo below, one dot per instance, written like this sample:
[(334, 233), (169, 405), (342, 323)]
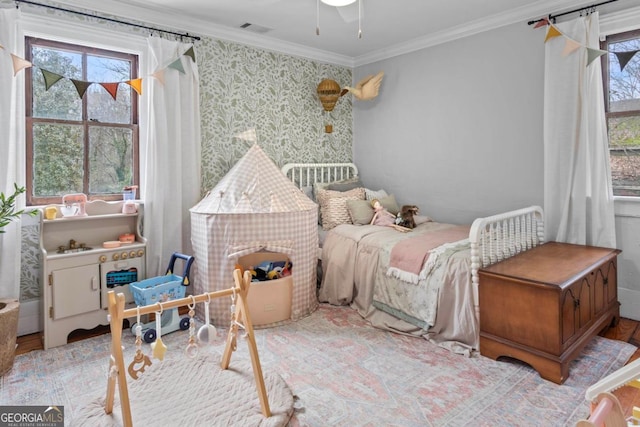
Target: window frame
[(85, 122), (605, 63)]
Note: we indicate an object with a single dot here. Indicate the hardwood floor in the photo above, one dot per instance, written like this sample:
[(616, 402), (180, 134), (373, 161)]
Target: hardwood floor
[(627, 330)]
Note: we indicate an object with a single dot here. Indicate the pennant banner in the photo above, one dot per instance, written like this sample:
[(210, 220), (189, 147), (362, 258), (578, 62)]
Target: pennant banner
[(112, 88), (551, 33), (177, 65), (625, 57), (191, 54), (19, 64), (160, 76), (136, 84), (81, 86), (572, 45), (541, 23), (50, 78), (593, 54)]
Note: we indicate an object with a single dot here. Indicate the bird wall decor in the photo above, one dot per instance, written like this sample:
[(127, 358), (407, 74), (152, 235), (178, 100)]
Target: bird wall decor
[(367, 88)]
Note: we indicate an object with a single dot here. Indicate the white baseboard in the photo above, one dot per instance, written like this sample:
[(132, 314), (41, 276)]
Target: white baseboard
[(29, 320), (630, 301)]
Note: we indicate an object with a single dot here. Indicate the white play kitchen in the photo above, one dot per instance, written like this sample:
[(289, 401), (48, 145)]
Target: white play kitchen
[(88, 249)]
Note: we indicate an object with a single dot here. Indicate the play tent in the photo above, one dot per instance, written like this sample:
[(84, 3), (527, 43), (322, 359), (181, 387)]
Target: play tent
[(254, 208)]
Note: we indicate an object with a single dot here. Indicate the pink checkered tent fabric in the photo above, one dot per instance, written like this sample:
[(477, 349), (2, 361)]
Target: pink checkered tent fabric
[(254, 207)]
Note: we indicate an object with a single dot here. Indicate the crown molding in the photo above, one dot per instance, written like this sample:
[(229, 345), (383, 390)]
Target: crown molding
[(522, 14), (168, 20)]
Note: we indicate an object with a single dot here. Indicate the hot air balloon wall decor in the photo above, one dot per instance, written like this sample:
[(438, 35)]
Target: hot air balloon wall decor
[(329, 92)]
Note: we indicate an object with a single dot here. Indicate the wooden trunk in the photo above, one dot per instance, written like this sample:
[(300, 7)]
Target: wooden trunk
[(543, 306)]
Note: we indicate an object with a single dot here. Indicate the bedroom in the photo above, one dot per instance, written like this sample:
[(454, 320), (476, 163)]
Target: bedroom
[(404, 141)]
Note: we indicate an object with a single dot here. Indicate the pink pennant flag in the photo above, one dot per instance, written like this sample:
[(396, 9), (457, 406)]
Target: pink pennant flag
[(112, 88), (570, 46), (19, 64), (541, 23), (159, 75)]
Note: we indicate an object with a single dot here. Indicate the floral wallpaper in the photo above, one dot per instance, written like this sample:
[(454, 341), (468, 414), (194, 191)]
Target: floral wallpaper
[(242, 88)]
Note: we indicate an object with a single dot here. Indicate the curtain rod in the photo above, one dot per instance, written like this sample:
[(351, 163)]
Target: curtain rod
[(108, 19), (552, 17)]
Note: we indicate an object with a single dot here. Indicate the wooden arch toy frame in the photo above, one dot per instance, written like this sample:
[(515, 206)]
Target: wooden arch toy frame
[(117, 314)]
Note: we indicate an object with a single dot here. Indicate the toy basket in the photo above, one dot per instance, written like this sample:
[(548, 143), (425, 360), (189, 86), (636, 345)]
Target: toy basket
[(162, 288), (157, 289)]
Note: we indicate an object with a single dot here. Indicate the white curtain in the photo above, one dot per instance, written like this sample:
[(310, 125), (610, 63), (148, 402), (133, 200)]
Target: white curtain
[(11, 148), (578, 197), (171, 184)]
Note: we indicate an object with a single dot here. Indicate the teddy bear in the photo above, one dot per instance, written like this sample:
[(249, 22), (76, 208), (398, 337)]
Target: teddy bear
[(406, 216)]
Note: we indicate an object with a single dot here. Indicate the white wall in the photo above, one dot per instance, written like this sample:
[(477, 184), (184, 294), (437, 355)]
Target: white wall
[(458, 130)]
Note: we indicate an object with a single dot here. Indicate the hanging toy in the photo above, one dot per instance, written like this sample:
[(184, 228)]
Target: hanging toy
[(207, 332), (140, 358), (192, 347), (158, 348), (233, 327)]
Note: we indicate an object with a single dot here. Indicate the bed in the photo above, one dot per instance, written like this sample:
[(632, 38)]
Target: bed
[(423, 282)]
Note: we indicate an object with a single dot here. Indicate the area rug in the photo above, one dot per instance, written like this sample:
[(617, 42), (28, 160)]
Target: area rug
[(342, 372)]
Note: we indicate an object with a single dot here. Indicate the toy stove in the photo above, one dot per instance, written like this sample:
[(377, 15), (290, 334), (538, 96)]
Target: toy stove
[(76, 199)]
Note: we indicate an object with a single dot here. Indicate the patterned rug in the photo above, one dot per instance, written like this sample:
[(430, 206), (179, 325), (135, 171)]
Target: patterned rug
[(344, 372)]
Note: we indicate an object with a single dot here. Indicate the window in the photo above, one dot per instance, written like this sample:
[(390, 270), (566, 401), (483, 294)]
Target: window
[(79, 144), (622, 106)]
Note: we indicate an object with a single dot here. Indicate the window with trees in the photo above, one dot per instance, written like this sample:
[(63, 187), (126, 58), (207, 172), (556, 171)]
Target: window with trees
[(80, 138), (621, 75)]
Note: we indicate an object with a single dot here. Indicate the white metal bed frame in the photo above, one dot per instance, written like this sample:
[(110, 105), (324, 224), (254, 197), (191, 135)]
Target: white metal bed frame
[(307, 174), (492, 239)]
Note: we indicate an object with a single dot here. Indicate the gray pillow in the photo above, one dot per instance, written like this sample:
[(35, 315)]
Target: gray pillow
[(390, 204), (346, 185), (360, 211)]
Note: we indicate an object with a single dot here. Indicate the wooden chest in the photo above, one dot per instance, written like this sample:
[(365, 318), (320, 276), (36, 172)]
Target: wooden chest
[(544, 305)]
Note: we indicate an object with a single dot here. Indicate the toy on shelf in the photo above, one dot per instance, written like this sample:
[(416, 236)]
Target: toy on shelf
[(161, 289), (74, 205)]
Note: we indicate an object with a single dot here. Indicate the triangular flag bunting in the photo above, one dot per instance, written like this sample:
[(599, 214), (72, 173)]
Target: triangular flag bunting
[(551, 33), (177, 65), (541, 23), (191, 53), (625, 57), (136, 84), (593, 54), (50, 78), (81, 86), (159, 75), (19, 64), (112, 88), (570, 46)]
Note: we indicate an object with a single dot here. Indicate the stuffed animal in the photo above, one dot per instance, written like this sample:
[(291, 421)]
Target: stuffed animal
[(406, 216)]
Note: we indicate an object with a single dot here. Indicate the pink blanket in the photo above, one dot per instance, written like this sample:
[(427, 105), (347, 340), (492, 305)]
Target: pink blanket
[(409, 256)]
